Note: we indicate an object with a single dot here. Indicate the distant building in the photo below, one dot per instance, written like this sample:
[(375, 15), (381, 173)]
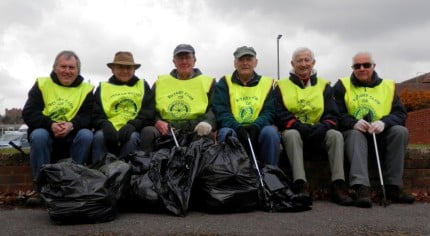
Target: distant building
[(12, 116), (419, 83)]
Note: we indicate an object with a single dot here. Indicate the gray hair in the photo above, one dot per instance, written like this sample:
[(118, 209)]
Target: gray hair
[(68, 54), (302, 50), (363, 53)]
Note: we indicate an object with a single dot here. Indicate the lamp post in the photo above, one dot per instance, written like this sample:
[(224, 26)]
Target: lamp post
[(277, 51)]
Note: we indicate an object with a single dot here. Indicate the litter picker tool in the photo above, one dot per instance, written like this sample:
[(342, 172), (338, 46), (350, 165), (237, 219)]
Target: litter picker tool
[(380, 171), (174, 137), (369, 119), (16, 147), (260, 177)]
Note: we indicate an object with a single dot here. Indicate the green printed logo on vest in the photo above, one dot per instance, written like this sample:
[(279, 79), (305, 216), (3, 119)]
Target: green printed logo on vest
[(126, 108), (363, 111), (59, 114), (179, 109), (246, 114), (303, 117), (306, 107), (59, 109)]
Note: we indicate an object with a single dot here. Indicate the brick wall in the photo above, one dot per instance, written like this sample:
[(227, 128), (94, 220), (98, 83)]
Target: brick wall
[(15, 178), (418, 123), (15, 173)]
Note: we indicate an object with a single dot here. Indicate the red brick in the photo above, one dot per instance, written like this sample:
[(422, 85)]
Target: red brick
[(416, 173), (421, 182), (4, 170), (417, 122), (417, 164), (14, 179)]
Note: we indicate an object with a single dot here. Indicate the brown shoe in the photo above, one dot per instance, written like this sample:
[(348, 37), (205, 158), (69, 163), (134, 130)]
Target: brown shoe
[(339, 193)]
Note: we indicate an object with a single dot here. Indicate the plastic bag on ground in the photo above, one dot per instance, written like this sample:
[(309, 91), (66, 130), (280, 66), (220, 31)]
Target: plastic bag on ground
[(278, 195), (141, 196), (173, 172), (77, 194), (226, 181)]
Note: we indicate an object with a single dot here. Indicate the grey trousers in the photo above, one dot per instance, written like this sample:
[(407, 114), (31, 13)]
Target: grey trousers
[(392, 143), (148, 136), (333, 144)]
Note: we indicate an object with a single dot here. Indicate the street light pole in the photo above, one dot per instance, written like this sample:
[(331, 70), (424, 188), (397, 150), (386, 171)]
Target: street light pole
[(277, 51)]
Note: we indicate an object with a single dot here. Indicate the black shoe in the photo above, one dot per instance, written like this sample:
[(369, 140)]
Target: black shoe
[(339, 193), (362, 197), (397, 195), (35, 200), (302, 195)]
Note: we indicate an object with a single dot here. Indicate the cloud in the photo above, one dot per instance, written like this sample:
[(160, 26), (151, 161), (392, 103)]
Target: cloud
[(32, 33)]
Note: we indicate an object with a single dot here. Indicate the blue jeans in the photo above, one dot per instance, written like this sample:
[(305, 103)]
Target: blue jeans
[(100, 150), (41, 146), (268, 143)]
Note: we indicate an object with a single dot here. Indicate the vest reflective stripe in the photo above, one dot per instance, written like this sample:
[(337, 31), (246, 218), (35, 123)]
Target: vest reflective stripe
[(362, 100), (62, 103), (181, 100), (247, 102), (121, 103), (306, 104)]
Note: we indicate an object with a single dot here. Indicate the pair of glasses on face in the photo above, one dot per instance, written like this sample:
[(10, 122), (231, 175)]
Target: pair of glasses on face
[(366, 65)]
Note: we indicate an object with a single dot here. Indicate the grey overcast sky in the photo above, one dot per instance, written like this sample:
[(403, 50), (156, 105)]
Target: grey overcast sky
[(33, 32)]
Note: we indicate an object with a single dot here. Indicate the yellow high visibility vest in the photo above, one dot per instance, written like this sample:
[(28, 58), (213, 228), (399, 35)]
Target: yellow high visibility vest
[(181, 100), (247, 102), (362, 100), (306, 104), (121, 103), (62, 103)]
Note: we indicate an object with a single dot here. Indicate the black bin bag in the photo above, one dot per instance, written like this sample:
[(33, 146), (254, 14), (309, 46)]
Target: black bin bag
[(278, 195), (173, 172), (141, 195), (226, 181), (77, 194)]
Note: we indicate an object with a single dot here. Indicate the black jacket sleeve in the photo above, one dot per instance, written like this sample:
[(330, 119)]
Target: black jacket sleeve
[(331, 112), (284, 118), (32, 112), (397, 115), (346, 121), (99, 116), (83, 118)]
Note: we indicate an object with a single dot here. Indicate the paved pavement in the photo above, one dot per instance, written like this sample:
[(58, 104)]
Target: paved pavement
[(324, 219)]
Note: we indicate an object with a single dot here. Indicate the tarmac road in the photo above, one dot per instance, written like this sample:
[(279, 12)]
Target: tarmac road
[(324, 219)]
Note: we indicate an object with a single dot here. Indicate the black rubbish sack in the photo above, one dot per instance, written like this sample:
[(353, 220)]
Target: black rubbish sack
[(226, 181), (173, 172), (77, 194), (141, 195), (278, 195)]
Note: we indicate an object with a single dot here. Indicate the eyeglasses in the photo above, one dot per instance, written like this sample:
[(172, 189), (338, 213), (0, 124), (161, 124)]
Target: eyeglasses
[(366, 65)]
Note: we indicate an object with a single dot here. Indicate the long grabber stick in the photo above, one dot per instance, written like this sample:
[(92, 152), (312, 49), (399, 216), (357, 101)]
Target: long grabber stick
[(260, 177), (379, 170), (174, 137), (16, 147)]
